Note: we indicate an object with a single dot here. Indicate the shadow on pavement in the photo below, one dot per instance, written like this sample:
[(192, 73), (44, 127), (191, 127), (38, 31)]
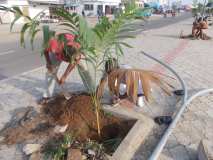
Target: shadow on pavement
[(35, 86), (167, 36)]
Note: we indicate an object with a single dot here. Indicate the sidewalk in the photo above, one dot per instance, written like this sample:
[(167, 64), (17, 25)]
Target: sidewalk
[(193, 60)]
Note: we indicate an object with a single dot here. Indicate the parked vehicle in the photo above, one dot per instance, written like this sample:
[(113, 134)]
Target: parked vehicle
[(144, 12)]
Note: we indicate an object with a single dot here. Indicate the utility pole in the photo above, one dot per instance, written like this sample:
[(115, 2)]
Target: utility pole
[(204, 7)]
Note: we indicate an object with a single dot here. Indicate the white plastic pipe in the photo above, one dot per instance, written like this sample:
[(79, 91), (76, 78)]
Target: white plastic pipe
[(183, 85), (185, 103), (169, 130)]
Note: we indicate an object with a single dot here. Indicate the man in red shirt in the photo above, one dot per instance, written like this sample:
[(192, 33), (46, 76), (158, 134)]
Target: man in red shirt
[(54, 55)]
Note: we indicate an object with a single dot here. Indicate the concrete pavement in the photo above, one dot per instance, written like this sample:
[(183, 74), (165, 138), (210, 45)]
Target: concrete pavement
[(13, 58)]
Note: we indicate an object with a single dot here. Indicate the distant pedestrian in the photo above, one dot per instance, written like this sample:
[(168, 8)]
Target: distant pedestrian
[(83, 13), (100, 14), (173, 13), (164, 12), (1, 20)]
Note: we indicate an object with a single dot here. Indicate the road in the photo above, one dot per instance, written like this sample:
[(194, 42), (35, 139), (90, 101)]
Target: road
[(15, 60)]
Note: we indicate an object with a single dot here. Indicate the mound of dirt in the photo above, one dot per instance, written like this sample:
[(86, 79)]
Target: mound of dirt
[(27, 125), (78, 112)]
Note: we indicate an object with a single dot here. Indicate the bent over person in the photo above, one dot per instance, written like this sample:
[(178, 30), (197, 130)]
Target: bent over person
[(54, 55)]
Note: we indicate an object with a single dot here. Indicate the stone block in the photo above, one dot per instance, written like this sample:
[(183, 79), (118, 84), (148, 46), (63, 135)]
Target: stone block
[(136, 135), (205, 150)]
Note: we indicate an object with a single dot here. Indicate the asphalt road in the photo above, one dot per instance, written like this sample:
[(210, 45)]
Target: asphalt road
[(15, 59)]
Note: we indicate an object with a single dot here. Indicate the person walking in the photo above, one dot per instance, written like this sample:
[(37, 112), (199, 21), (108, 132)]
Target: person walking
[(1, 20), (83, 13)]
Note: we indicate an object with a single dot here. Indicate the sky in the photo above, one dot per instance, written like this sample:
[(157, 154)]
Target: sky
[(190, 1)]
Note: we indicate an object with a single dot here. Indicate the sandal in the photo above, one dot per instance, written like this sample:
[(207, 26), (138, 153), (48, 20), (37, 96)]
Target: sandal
[(163, 120), (179, 92)]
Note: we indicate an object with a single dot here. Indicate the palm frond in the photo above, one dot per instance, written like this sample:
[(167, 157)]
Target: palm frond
[(70, 26), (6, 9), (47, 35), (71, 18), (101, 86), (23, 30), (17, 17), (33, 37), (131, 78), (111, 34)]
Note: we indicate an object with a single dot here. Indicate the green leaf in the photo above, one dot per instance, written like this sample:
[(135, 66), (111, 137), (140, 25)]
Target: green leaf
[(67, 16), (17, 17), (28, 17), (126, 45), (36, 16), (69, 25), (46, 36), (120, 49), (70, 31), (17, 10), (33, 37), (23, 30), (124, 36), (3, 8)]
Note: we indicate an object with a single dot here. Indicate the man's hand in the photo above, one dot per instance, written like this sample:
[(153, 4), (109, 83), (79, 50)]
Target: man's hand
[(62, 80), (49, 67)]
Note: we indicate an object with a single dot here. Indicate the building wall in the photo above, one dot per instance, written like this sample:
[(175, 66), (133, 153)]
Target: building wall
[(140, 3), (49, 1), (31, 9), (24, 6), (35, 9), (161, 2), (17, 3), (5, 17), (95, 4)]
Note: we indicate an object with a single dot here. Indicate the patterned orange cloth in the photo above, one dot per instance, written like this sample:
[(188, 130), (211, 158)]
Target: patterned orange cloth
[(57, 47)]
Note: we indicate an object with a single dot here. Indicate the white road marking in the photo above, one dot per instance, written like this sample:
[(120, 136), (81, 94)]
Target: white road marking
[(6, 52)]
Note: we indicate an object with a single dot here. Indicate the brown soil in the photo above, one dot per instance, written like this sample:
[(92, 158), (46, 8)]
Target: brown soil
[(28, 126), (78, 113)]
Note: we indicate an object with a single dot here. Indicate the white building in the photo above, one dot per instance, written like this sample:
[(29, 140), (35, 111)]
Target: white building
[(8, 17), (37, 6), (139, 3), (91, 7), (30, 8), (161, 2), (33, 7), (3, 16)]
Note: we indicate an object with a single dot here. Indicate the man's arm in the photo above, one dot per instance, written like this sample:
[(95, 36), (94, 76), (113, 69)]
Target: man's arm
[(70, 67), (47, 57)]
